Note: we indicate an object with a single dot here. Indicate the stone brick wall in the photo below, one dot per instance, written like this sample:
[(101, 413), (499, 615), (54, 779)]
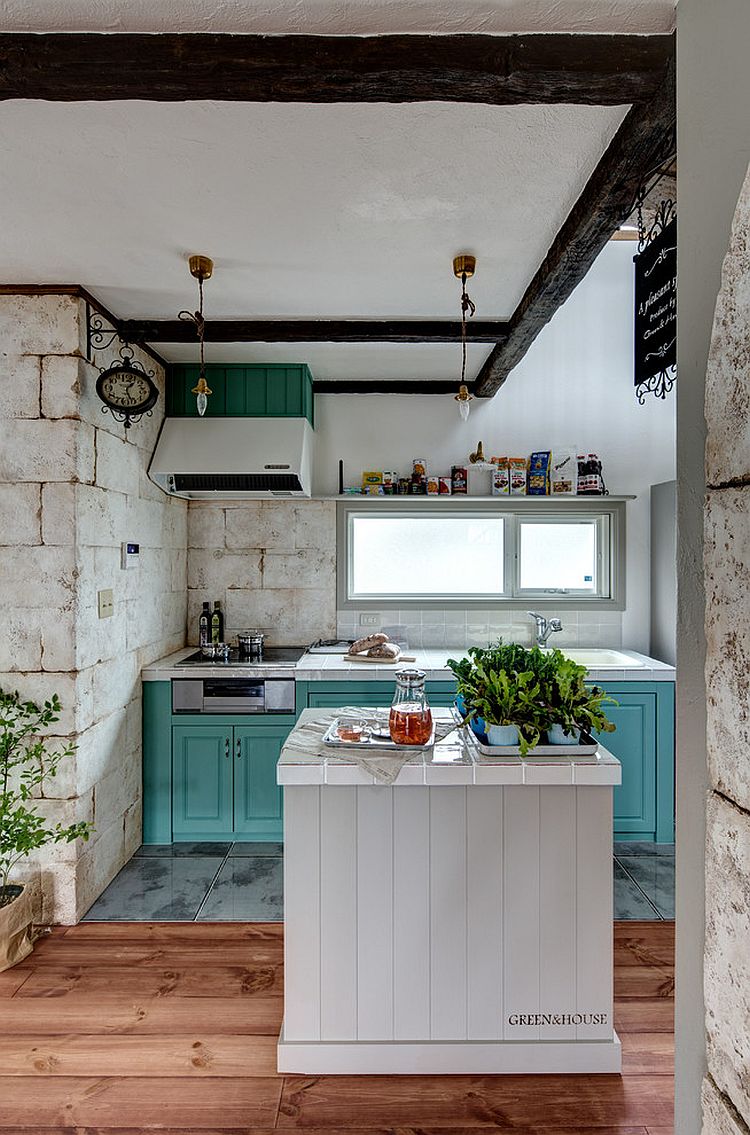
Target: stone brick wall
[(73, 487), (271, 563), (726, 1095)]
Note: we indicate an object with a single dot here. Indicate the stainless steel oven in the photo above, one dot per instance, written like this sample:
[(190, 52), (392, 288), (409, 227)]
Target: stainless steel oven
[(233, 695)]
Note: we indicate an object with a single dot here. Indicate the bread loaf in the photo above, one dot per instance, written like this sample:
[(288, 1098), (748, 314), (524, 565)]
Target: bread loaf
[(364, 644), (384, 650)]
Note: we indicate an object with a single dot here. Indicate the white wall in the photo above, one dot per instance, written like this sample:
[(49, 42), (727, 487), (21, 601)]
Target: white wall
[(574, 387)]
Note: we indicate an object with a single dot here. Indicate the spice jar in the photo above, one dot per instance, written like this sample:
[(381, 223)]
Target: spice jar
[(410, 721)]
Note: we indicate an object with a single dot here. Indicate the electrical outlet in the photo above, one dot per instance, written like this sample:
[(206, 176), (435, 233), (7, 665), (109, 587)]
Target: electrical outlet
[(369, 620), (105, 603)]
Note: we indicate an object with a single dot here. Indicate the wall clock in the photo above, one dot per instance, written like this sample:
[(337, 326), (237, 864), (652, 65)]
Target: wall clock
[(127, 390)]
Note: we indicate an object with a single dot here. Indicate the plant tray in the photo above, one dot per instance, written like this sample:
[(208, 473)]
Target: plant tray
[(373, 744), (587, 748)]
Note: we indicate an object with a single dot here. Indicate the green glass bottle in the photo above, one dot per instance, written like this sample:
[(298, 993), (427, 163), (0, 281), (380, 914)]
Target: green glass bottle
[(217, 623)]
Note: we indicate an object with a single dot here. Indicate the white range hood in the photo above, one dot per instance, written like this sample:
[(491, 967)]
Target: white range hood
[(234, 458)]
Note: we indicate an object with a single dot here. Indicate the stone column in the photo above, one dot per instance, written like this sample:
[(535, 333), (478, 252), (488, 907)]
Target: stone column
[(73, 487), (726, 1095)]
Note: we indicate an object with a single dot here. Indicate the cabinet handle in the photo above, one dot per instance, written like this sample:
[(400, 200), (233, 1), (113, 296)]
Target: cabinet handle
[(239, 748), (226, 747)]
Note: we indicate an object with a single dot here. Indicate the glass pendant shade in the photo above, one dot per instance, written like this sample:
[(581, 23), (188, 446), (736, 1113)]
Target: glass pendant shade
[(202, 402)]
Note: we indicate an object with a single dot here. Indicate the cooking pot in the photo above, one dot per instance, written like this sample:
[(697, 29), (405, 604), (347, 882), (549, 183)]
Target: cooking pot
[(250, 644)]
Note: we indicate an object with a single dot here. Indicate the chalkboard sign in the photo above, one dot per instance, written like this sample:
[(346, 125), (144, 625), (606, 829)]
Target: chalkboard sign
[(656, 307)]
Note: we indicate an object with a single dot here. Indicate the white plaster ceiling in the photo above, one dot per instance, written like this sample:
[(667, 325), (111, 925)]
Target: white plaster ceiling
[(339, 17), (332, 211)]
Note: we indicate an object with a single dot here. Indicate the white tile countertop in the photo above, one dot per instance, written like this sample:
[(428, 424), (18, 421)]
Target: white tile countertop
[(333, 668), (305, 759)]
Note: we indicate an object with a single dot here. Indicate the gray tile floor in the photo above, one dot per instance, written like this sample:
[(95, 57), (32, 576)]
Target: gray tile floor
[(243, 882)]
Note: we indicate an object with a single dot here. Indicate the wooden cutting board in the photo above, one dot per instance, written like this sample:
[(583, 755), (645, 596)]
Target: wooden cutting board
[(382, 661)]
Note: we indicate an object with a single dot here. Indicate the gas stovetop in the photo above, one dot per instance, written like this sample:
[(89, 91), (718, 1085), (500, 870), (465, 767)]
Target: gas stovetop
[(273, 656)]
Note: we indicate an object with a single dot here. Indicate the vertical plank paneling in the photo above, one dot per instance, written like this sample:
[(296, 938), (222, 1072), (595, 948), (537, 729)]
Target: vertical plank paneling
[(448, 912), (338, 914), (594, 916), (557, 907), (302, 912), (521, 890), (484, 842), (411, 913), (375, 913)]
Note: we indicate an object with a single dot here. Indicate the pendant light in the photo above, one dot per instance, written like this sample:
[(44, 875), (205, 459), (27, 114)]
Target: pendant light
[(201, 267), (464, 268)]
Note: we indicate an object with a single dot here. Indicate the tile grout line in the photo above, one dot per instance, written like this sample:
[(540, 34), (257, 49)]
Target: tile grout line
[(659, 916), (204, 900)]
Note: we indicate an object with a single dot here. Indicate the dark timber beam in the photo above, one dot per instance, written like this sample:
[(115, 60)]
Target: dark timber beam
[(642, 142), (604, 70), (313, 331)]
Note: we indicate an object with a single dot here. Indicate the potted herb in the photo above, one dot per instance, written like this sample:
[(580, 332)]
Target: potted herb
[(574, 707), (26, 762)]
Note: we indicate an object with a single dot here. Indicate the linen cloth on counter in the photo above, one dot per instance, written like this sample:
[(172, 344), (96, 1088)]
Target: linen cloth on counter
[(384, 767)]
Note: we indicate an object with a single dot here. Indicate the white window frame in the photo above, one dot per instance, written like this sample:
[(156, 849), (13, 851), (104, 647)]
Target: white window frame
[(607, 512)]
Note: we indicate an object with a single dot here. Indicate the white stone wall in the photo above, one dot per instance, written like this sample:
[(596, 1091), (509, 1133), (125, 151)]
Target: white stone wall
[(271, 563), (726, 1095), (73, 487)]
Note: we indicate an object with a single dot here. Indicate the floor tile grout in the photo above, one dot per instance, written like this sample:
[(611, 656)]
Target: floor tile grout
[(637, 886), (204, 900)]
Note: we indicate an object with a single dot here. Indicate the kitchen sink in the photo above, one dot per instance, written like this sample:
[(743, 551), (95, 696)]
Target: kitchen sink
[(601, 659)]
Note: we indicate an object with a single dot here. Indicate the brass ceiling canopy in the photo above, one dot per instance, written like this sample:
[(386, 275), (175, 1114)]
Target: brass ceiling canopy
[(465, 265), (202, 267)]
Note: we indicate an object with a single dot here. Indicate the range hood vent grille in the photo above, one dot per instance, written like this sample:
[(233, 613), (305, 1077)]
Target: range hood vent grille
[(236, 482)]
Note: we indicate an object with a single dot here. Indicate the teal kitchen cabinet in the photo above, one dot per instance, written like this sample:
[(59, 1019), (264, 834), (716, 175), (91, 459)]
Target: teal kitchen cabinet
[(209, 778), (331, 695), (202, 776), (257, 797)]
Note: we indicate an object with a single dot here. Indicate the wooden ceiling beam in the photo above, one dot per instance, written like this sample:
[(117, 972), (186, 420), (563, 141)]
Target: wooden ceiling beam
[(313, 330), (643, 140), (603, 70)]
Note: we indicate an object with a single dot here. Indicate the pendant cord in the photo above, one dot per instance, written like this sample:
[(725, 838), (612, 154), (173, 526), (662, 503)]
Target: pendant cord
[(466, 305)]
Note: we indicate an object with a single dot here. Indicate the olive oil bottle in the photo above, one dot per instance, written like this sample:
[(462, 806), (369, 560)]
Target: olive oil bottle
[(217, 623)]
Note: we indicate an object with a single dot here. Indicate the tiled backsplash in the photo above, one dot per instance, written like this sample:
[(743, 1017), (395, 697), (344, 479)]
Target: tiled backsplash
[(435, 628)]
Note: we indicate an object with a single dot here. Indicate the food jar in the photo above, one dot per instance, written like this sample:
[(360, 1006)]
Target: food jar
[(410, 721)]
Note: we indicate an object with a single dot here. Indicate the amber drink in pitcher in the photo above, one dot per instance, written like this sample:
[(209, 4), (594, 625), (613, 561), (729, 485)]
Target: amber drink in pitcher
[(410, 721)]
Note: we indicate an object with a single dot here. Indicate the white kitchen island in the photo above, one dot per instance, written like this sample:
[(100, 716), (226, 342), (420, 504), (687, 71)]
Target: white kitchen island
[(458, 920)]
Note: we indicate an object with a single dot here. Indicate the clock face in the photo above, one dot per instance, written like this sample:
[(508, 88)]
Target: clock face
[(126, 390)]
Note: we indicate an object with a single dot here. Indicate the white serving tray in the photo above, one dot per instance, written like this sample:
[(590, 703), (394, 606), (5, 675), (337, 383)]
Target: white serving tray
[(373, 744), (565, 751)]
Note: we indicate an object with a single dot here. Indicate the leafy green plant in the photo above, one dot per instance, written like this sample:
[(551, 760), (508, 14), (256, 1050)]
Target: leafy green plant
[(26, 761), (509, 684), (573, 704), (513, 699)]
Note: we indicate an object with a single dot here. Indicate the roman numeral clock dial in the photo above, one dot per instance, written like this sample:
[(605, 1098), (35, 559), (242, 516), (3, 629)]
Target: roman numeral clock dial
[(126, 390)]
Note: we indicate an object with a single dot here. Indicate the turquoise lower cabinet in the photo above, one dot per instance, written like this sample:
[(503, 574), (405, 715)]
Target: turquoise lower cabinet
[(643, 742), (333, 694), (209, 778), (202, 777), (257, 797)]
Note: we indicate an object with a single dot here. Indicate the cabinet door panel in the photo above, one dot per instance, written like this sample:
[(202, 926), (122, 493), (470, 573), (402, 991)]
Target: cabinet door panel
[(201, 780), (634, 745), (257, 797)]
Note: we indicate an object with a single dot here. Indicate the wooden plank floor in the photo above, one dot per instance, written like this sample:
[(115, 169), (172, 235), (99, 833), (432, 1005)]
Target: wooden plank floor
[(122, 1028)]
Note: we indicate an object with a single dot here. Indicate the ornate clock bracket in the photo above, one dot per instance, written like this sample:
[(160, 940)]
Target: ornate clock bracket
[(100, 337)]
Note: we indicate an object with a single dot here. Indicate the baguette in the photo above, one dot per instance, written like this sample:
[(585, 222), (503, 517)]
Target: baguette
[(362, 645)]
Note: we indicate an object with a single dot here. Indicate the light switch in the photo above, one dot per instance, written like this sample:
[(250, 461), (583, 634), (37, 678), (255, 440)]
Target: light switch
[(106, 603)]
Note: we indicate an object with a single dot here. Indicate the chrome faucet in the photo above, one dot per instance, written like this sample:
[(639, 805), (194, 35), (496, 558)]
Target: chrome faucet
[(544, 628)]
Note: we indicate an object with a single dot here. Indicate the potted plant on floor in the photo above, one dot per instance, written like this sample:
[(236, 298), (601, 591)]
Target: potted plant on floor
[(26, 761), (574, 707)]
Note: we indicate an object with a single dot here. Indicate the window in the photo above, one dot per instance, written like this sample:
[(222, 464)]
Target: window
[(396, 552), (415, 556)]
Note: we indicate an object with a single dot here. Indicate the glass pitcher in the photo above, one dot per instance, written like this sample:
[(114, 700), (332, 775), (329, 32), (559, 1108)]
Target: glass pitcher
[(410, 721)]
